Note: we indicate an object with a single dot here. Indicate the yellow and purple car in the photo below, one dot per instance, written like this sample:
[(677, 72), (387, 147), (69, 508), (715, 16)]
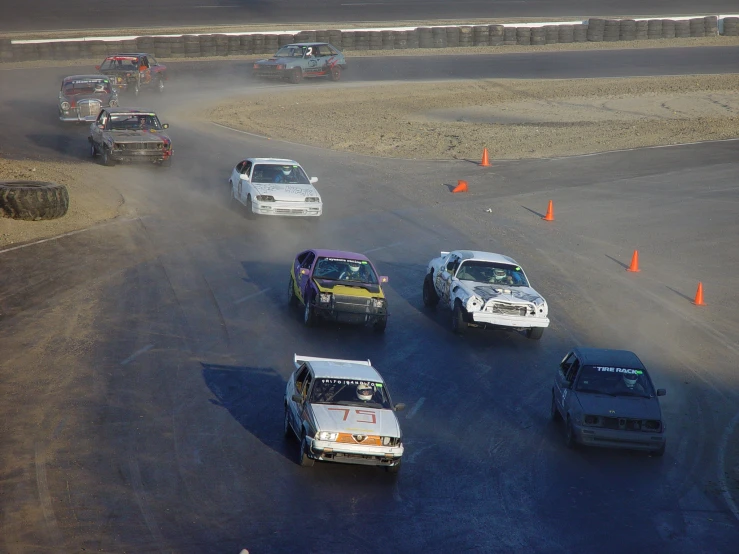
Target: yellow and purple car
[(338, 286)]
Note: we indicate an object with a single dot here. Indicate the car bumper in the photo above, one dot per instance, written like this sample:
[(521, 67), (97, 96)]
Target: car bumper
[(369, 316), (140, 156), (507, 321), (290, 209), (75, 117), (617, 438), (271, 73), (354, 454)]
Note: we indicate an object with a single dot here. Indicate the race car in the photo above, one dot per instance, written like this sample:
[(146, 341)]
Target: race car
[(485, 290), (341, 411), (133, 72), (338, 286), (82, 96), (293, 62), (130, 135), (272, 186), (606, 398)]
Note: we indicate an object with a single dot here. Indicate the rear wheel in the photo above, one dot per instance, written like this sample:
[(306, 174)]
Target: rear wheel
[(303, 458), (430, 298), (380, 325), (459, 325), (296, 75), (535, 333)]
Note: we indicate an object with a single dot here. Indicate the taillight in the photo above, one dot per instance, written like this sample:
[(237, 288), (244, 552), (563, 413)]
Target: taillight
[(256, 66)]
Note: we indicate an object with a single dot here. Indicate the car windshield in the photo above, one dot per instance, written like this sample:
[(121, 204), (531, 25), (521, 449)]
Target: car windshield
[(350, 392), (87, 86), (345, 269), (134, 122), (122, 63), (290, 51), (276, 173), (614, 381), (493, 273)]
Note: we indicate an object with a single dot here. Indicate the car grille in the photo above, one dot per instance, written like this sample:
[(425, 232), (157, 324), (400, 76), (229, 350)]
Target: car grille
[(288, 211), (508, 309), (268, 69), (140, 146), (630, 424), (352, 304), (87, 108), (371, 440)]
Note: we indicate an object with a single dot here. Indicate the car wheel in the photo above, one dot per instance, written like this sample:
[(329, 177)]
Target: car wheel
[(249, 208), (292, 300), (535, 333), (287, 429), (394, 469), (335, 73), (106, 159), (93, 150), (303, 458), (570, 441), (160, 85), (459, 325), (309, 317), (430, 298), (661, 452), (166, 163), (379, 326), (296, 75), (554, 411), (135, 89)]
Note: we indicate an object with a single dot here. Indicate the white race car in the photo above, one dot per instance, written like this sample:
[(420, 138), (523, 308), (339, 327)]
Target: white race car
[(485, 290), (271, 186), (341, 411)]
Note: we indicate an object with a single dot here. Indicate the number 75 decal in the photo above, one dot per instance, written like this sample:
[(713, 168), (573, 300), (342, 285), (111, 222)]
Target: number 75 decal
[(360, 412)]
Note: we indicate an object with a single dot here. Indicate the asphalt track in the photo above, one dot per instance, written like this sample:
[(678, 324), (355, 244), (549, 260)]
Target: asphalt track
[(144, 361), (35, 15)]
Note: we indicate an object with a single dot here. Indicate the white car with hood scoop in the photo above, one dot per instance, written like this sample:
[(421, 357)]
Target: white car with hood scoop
[(341, 411), (485, 290), (273, 186)]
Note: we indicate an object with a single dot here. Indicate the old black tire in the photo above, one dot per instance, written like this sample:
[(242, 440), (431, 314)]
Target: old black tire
[(459, 325), (335, 73), (249, 208), (554, 414), (296, 75), (380, 326), (430, 298), (661, 452), (570, 441), (535, 333), (292, 300), (303, 458), (394, 469), (33, 200), (106, 159)]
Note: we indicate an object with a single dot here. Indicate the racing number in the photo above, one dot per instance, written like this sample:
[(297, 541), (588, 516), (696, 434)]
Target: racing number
[(360, 412)]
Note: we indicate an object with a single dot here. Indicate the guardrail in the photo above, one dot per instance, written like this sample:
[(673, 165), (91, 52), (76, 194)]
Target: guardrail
[(395, 38)]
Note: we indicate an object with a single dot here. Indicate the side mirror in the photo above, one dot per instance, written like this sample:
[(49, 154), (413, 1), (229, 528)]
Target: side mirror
[(97, 67), (399, 407), (304, 271), (297, 399), (661, 392), (165, 125), (384, 279), (313, 180)]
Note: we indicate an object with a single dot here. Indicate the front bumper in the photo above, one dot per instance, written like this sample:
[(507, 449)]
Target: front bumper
[(507, 321), (294, 209), (354, 454), (140, 156), (271, 72), (72, 116), (618, 438)]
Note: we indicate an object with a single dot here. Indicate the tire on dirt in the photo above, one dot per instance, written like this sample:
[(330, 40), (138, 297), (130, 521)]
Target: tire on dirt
[(335, 73), (296, 75), (33, 200), (430, 298)]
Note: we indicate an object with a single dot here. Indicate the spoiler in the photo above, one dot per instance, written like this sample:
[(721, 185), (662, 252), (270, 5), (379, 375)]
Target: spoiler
[(299, 360), (444, 253)]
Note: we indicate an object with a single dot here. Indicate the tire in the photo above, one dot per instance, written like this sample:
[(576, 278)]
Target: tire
[(554, 414), (459, 325), (93, 150), (394, 469), (309, 316), (287, 429), (535, 333), (335, 73), (106, 159), (249, 208), (379, 327), (135, 90), (296, 75), (166, 163), (303, 458), (570, 441), (292, 300), (430, 298), (160, 85), (661, 452), (33, 200)]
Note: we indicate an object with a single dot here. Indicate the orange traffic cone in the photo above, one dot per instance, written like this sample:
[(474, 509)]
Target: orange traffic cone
[(550, 212), (485, 162), (461, 187), (634, 263), (699, 296)]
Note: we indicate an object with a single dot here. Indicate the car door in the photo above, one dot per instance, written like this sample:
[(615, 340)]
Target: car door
[(157, 69), (567, 383), (293, 408), (311, 59), (96, 129), (144, 70), (236, 177), (444, 277), (303, 382), (304, 277)]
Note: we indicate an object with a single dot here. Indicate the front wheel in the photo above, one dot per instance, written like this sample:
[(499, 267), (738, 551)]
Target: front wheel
[(93, 150), (309, 316), (570, 441), (249, 208), (303, 458), (459, 325), (160, 86), (287, 429), (554, 411), (335, 73), (430, 298), (380, 325), (296, 75), (535, 333), (292, 300), (135, 89), (107, 158)]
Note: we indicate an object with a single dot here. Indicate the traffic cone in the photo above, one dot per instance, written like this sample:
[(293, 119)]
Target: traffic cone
[(550, 212), (485, 162), (461, 187), (634, 263), (699, 296)]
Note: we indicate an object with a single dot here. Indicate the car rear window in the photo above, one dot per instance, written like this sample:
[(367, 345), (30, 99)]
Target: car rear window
[(614, 381)]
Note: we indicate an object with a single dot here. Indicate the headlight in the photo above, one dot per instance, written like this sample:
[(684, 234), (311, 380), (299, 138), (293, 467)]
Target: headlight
[(390, 441), (280, 66), (378, 302), (324, 298), (65, 106), (591, 420), (312, 199), (652, 425), (327, 436), (475, 303), (265, 198), (256, 66)]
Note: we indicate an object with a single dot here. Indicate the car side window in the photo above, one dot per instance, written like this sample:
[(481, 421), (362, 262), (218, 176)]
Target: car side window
[(452, 264), (300, 380), (572, 371), (144, 61), (247, 168), (564, 367), (240, 167), (308, 261), (152, 61)]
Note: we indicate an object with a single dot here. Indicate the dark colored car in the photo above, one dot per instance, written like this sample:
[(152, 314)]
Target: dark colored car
[(130, 135), (133, 72), (606, 398), (293, 62), (82, 96), (338, 286)]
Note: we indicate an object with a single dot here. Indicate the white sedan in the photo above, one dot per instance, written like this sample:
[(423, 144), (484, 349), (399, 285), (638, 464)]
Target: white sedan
[(272, 186)]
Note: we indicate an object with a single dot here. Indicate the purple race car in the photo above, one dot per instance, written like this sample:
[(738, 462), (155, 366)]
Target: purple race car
[(338, 286)]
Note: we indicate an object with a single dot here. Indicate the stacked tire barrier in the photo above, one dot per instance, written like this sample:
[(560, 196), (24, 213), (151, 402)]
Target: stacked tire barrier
[(458, 36)]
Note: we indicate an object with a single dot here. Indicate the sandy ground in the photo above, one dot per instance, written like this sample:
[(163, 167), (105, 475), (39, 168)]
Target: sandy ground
[(513, 119)]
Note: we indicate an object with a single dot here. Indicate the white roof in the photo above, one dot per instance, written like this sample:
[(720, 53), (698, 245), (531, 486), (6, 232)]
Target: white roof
[(485, 256), (274, 161), (338, 369)]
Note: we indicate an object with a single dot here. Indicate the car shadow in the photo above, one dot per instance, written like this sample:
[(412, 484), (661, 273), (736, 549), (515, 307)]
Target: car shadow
[(619, 262), (533, 211), (680, 294)]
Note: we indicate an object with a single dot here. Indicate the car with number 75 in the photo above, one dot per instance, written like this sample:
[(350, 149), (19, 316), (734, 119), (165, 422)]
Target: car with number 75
[(341, 411)]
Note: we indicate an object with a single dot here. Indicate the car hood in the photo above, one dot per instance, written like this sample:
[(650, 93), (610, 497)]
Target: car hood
[(277, 61), (79, 97), (138, 136), (331, 418), (501, 293), (619, 406), (288, 192), (365, 290)]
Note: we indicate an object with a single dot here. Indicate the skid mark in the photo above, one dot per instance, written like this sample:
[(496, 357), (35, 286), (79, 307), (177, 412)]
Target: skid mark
[(45, 497), (140, 493)]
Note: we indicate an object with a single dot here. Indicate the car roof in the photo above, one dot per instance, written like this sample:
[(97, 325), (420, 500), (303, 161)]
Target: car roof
[(97, 77), (484, 256), (334, 369), (273, 161), (340, 254), (127, 54), (608, 357), (130, 110), (307, 44)]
